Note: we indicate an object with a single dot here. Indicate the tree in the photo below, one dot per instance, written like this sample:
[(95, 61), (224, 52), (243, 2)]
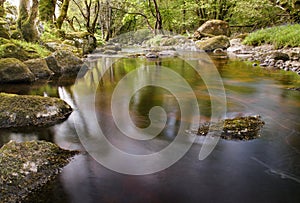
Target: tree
[(63, 13), (159, 22), (2, 11), (90, 13), (291, 7), (27, 20), (47, 10)]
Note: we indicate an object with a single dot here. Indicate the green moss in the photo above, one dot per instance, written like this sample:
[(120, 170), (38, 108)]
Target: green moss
[(240, 128), (21, 50), (281, 36), (33, 48), (28, 111), (27, 166), (50, 34)]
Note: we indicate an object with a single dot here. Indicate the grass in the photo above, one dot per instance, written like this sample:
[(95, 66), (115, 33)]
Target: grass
[(40, 50), (281, 36)]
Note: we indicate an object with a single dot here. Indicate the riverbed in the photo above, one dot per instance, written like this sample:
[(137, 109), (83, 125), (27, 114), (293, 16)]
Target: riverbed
[(266, 169)]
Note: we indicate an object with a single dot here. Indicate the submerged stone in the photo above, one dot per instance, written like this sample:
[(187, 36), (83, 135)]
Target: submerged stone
[(31, 111), (27, 166), (239, 128)]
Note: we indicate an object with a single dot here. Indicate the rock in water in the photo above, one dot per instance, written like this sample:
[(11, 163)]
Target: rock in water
[(39, 68), (26, 167), (239, 128), (14, 71), (211, 44), (64, 62), (31, 111)]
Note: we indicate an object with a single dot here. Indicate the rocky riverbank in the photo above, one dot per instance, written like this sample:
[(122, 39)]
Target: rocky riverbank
[(266, 56)]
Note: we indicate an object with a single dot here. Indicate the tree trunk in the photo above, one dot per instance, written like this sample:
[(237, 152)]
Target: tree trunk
[(63, 13), (47, 10), (2, 11), (159, 21), (27, 20), (23, 12)]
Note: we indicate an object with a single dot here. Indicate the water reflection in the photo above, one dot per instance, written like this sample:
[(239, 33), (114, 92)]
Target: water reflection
[(262, 170)]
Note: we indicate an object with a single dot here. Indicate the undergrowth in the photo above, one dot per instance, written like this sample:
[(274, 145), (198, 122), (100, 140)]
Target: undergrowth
[(280, 36)]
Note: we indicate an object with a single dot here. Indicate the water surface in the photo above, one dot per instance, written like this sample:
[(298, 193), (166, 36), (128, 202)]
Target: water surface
[(261, 170)]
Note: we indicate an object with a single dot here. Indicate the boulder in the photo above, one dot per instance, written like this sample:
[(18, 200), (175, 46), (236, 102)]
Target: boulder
[(18, 111), (84, 40), (39, 68), (14, 71), (212, 28), (26, 167), (64, 62), (279, 56), (210, 44)]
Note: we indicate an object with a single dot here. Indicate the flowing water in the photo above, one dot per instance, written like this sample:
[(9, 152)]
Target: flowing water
[(266, 169)]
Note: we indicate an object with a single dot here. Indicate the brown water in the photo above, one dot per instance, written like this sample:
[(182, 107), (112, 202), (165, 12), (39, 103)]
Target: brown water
[(262, 170)]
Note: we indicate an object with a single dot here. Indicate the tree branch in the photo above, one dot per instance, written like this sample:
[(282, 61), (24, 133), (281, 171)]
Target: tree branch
[(135, 13)]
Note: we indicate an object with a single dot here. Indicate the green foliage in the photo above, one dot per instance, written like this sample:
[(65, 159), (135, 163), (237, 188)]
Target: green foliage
[(281, 36), (254, 13), (21, 50), (99, 39), (40, 50), (50, 33)]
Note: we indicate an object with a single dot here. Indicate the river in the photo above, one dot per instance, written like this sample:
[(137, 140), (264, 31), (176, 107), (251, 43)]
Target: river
[(266, 169)]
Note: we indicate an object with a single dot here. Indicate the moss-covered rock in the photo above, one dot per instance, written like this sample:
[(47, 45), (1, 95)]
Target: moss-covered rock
[(14, 71), (21, 50), (240, 128), (210, 44), (64, 62), (26, 167), (39, 68), (30, 111), (83, 40)]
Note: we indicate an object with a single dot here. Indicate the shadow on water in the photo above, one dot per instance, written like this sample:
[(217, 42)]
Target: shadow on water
[(262, 170)]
